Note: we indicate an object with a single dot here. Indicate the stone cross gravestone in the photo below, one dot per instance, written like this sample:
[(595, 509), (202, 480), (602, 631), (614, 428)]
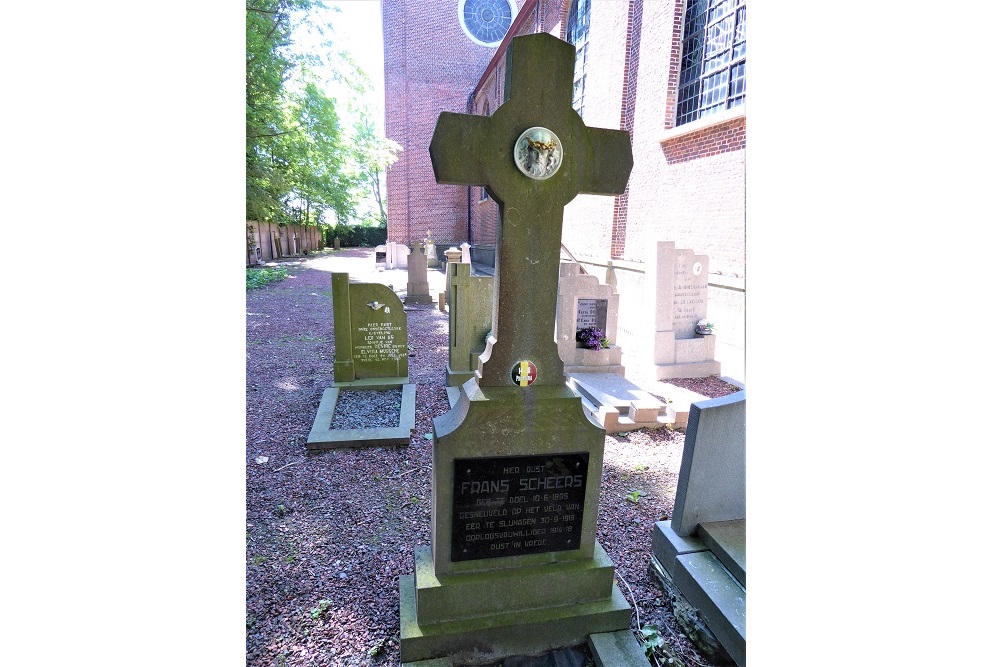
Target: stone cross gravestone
[(371, 353), (514, 566)]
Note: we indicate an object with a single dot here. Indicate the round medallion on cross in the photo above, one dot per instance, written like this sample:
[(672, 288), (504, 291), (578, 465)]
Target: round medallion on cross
[(538, 153)]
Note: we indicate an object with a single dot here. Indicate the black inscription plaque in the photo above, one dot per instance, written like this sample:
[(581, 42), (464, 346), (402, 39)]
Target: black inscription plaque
[(517, 505)]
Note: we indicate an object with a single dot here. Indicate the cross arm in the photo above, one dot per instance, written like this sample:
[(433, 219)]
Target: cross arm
[(611, 164), (457, 148)]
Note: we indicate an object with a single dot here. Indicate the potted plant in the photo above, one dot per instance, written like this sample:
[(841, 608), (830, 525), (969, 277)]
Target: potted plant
[(592, 338), (703, 327)]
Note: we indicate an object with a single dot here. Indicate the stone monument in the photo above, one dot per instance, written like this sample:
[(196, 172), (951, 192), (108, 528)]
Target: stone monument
[(514, 566), (452, 256), (669, 301), (417, 290), (370, 345), (470, 319), (430, 250), (585, 303)]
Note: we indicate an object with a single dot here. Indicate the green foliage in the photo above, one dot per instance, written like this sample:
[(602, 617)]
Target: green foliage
[(651, 640), (635, 495), (302, 162), (355, 236), (316, 612), (377, 648), (261, 277)]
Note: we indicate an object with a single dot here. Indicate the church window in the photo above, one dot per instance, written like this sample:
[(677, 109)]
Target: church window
[(578, 34), (713, 60), (486, 21)]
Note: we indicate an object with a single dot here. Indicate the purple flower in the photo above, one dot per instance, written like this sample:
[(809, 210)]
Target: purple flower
[(591, 337)]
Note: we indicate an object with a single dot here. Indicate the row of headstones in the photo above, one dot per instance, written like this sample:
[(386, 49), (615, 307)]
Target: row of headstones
[(668, 306), (666, 310)]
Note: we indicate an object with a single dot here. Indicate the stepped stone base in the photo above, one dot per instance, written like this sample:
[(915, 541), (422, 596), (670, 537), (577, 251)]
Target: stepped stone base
[(455, 378), (482, 617), (618, 404), (718, 594)]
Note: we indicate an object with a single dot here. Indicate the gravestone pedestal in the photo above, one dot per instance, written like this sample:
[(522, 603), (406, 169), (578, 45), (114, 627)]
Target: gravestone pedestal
[(514, 567), (417, 289)]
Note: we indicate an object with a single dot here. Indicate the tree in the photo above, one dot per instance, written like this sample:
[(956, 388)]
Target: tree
[(269, 62), (301, 159), (319, 178), (373, 154)]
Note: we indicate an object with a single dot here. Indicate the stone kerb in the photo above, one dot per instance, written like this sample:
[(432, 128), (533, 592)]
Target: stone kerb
[(584, 302), (470, 319), (370, 353)]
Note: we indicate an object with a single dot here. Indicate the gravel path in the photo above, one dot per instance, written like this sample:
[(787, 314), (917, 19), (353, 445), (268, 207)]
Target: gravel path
[(328, 535)]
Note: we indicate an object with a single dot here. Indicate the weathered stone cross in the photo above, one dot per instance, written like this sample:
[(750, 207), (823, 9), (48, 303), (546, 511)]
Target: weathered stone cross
[(533, 155)]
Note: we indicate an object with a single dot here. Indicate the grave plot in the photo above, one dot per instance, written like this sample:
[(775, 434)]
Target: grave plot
[(371, 356)]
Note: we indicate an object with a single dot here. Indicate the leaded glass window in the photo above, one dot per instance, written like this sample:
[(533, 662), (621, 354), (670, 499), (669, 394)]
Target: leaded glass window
[(713, 58), (486, 21), (578, 34)]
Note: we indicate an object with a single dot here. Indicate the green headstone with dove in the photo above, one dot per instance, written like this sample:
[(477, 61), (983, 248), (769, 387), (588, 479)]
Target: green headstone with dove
[(371, 354), (514, 566)]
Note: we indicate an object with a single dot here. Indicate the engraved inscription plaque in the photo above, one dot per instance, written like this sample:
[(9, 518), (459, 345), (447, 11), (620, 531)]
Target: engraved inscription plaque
[(517, 505), (592, 313)]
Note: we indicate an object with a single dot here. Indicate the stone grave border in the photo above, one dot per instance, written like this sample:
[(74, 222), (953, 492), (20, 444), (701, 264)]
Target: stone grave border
[(322, 437)]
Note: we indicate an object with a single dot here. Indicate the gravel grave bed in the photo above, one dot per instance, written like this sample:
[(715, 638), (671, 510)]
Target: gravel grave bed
[(367, 408), (329, 534)]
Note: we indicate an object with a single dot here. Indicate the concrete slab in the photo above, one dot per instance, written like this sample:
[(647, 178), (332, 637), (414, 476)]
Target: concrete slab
[(667, 545), (617, 649), (720, 599), (728, 541), (436, 662), (617, 403)]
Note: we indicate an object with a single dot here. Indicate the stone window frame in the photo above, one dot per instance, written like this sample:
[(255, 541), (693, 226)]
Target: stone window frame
[(713, 59), (470, 9)]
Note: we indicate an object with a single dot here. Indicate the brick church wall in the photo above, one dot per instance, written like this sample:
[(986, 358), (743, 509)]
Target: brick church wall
[(430, 66), (687, 185)]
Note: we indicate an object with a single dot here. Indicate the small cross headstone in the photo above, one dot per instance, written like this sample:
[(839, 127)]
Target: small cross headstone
[(516, 462)]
